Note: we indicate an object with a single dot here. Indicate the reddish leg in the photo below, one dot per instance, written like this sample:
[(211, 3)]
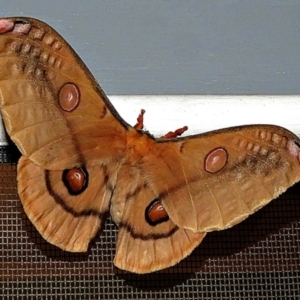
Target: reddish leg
[(140, 121), (170, 135), (174, 134)]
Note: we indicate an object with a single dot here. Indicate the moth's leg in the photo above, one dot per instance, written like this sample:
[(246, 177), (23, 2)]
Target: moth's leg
[(140, 121), (170, 135), (174, 134)]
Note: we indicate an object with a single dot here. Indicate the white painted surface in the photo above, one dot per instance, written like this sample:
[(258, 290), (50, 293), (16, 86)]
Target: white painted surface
[(204, 113)]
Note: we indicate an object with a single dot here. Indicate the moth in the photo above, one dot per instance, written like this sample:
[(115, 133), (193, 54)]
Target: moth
[(80, 160)]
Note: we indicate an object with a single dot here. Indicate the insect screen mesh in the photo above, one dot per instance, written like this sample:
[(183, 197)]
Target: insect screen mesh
[(258, 258)]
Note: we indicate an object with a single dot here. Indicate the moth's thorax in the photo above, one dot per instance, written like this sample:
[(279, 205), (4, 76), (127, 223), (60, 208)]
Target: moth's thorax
[(138, 145), (138, 142)]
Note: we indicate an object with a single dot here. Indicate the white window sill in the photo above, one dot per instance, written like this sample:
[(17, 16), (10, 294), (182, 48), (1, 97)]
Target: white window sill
[(166, 113), (204, 113)]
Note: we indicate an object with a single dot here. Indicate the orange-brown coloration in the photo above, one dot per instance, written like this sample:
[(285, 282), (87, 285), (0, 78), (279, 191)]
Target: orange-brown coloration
[(200, 183), (68, 97), (139, 142), (156, 213), (174, 134), (74, 179), (140, 121), (216, 160)]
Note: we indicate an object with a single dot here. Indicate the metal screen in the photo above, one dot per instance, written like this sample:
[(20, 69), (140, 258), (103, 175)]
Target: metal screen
[(257, 259)]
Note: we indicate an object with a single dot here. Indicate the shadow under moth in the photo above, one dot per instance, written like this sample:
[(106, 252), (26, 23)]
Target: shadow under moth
[(80, 160)]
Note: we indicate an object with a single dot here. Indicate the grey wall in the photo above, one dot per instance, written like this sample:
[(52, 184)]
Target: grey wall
[(180, 47)]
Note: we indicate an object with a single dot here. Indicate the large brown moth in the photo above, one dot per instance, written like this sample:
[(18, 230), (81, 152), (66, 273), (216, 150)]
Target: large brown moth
[(80, 160)]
